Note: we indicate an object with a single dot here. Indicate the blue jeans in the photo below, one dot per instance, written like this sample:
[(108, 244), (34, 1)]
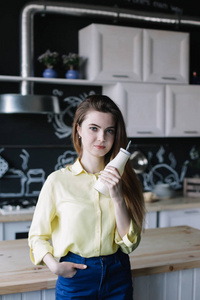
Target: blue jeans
[(106, 277)]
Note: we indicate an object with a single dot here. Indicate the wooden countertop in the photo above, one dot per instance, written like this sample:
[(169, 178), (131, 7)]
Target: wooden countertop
[(158, 205), (161, 250), (17, 273), (16, 217), (175, 203), (165, 250)]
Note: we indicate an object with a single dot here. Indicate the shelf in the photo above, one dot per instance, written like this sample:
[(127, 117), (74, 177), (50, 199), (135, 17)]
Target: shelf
[(11, 78), (55, 80), (69, 81)]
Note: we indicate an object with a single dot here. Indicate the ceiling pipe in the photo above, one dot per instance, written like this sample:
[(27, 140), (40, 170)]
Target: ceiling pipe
[(115, 13)]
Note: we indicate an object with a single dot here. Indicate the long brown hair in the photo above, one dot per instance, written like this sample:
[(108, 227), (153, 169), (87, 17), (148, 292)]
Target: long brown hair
[(130, 184)]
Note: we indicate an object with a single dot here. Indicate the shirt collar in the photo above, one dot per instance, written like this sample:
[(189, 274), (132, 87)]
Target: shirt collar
[(77, 167)]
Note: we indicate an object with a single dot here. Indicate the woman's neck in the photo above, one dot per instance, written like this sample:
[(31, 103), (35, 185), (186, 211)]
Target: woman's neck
[(93, 164)]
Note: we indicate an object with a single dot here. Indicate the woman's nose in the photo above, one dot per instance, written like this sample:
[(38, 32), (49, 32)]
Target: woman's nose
[(101, 136)]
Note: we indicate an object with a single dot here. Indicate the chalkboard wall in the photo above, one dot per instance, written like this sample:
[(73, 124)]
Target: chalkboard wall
[(32, 146)]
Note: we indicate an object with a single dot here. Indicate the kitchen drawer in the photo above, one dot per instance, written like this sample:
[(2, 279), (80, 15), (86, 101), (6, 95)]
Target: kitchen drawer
[(189, 217), (16, 230)]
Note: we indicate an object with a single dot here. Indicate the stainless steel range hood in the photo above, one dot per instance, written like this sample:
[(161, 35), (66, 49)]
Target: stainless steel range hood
[(34, 104)]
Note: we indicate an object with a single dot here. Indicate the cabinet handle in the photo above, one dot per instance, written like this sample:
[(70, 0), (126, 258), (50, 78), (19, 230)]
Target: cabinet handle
[(144, 132), (191, 131), (191, 212), (122, 76), (169, 78)]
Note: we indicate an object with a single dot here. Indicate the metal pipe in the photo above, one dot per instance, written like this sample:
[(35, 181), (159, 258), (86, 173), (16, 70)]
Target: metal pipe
[(27, 19)]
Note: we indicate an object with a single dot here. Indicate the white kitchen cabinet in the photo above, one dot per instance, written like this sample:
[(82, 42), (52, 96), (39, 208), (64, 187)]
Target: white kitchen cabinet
[(182, 110), (151, 220), (1, 231), (119, 53), (15, 230), (189, 217), (165, 56), (48, 294), (112, 52), (142, 106)]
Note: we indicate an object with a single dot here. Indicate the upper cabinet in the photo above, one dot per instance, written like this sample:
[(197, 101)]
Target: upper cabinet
[(182, 110), (157, 110), (142, 106), (118, 53), (165, 56), (112, 52)]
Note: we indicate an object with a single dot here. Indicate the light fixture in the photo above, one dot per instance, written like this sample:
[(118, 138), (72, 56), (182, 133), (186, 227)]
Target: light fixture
[(34, 104)]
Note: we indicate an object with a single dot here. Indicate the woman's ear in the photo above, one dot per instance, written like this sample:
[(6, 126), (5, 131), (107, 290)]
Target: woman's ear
[(78, 128)]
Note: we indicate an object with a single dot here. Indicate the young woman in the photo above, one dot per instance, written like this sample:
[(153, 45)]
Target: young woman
[(92, 234)]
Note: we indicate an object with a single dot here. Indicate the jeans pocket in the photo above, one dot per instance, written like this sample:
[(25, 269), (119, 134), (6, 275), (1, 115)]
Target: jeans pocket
[(65, 280)]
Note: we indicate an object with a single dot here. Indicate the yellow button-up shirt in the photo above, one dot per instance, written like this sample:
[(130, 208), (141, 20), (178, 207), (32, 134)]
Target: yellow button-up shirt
[(72, 216)]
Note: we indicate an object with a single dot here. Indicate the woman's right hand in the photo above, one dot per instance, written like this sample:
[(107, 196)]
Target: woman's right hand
[(64, 269), (68, 269)]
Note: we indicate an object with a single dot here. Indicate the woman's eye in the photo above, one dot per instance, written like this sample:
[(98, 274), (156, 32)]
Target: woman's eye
[(93, 128), (111, 131)]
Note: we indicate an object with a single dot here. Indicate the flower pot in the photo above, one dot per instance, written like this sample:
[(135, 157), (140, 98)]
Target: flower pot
[(50, 73), (72, 74)]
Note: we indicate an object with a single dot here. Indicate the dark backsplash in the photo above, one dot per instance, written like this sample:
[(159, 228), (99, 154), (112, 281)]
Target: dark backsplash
[(35, 145)]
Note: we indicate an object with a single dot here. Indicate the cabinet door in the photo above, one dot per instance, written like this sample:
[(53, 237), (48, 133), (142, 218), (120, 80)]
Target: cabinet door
[(165, 56), (15, 230), (189, 217), (182, 110), (111, 52), (142, 106), (151, 220), (1, 231)]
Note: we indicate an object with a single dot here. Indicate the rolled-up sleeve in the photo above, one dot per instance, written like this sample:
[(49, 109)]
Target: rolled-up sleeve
[(39, 250), (41, 228), (130, 241)]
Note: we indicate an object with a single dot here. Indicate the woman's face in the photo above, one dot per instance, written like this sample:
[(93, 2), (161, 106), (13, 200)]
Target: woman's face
[(97, 133)]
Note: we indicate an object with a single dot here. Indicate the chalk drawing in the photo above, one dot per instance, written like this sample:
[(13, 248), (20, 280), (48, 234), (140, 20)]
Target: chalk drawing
[(3, 164), (35, 181), (163, 172), (17, 183), (68, 157), (62, 130), (25, 158), (160, 154), (172, 160), (13, 184)]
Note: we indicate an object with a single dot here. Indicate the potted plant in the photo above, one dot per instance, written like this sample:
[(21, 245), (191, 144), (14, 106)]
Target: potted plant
[(49, 60), (71, 62)]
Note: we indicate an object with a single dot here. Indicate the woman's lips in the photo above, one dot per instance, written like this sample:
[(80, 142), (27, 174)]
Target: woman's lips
[(99, 147)]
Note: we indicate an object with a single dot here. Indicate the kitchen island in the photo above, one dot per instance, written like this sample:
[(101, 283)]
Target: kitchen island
[(165, 265)]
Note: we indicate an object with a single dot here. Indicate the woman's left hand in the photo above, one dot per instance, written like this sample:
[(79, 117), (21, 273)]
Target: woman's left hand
[(111, 177)]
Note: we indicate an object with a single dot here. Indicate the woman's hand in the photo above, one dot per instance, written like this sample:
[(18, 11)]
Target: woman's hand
[(64, 269), (111, 177), (68, 269)]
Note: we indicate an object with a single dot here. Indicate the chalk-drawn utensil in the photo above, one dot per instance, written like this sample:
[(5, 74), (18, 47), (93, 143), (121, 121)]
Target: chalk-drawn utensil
[(3, 166)]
